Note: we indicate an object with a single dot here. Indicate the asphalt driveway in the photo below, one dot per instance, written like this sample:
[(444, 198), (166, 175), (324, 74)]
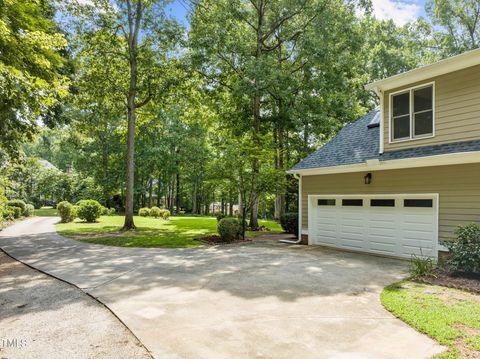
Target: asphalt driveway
[(260, 300)]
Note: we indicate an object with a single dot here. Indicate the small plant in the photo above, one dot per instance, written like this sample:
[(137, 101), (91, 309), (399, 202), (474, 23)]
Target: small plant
[(9, 213), (17, 203), (29, 210), (421, 266), (111, 212), (16, 211), (66, 211), (89, 210), (165, 214), (229, 229), (144, 212), (289, 223), (465, 249), (155, 212)]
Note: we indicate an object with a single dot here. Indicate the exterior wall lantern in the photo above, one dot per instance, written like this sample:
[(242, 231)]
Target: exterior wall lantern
[(368, 178)]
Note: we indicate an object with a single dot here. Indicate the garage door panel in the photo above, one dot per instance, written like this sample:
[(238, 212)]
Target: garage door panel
[(396, 230)]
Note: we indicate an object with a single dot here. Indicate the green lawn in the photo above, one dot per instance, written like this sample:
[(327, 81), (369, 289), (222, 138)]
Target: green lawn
[(450, 316), (46, 212), (177, 232)]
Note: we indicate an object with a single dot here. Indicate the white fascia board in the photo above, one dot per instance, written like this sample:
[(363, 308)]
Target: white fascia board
[(451, 64), (376, 165)]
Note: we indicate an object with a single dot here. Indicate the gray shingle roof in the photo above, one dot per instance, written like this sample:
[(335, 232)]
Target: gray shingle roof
[(358, 142)]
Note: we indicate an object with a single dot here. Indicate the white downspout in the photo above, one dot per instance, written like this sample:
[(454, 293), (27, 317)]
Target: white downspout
[(380, 95), (299, 240)]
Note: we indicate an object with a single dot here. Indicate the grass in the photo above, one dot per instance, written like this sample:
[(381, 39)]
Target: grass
[(177, 232), (46, 212), (450, 316)]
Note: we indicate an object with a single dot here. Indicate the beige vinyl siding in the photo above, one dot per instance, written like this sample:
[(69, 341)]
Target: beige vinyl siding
[(457, 110), (458, 187)]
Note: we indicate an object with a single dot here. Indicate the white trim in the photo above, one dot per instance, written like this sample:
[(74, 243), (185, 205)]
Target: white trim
[(435, 196), (305, 231), (412, 136), (382, 118), (300, 201), (455, 63), (376, 165)]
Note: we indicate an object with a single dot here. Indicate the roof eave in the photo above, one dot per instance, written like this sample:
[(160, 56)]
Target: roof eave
[(451, 64)]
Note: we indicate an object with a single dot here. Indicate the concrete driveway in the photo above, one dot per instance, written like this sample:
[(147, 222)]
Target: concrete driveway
[(260, 300)]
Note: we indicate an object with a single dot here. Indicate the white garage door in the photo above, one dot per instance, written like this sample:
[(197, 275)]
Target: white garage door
[(397, 225)]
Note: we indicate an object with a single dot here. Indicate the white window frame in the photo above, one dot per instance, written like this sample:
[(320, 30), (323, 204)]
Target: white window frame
[(412, 137)]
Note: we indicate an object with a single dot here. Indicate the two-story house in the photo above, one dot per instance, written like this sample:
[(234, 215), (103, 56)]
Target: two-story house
[(399, 180)]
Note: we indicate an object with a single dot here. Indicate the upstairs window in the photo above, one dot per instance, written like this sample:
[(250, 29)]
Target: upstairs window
[(412, 113)]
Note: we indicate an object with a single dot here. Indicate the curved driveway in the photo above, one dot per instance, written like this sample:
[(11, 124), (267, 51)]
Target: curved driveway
[(260, 300)]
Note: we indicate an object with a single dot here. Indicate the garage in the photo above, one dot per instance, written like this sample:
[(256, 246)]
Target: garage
[(398, 225)]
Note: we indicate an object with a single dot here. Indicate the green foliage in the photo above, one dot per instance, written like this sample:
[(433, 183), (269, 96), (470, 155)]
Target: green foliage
[(220, 216), (229, 229), (9, 213), (17, 203), (144, 212), (29, 210), (165, 213), (66, 211), (89, 210), (16, 211), (289, 223), (3, 204), (107, 211), (32, 74), (155, 212), (465, 249), (421, 266)]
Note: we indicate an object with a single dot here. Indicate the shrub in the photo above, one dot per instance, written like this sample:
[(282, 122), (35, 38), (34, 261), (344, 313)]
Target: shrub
[(229, 229), (144, 212), (289, 223), (155, 212), (104, 211), (3, 204), (16, 211), (8, 213), (220, 216), (465, 249), (66, 211), (17, 203), (74, 212), (89, 210), (421, 266), (165, 214), (29, 210), (37, 202), (111, 211)]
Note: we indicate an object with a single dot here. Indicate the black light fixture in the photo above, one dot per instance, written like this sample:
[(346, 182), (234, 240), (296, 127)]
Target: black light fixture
[(368, 178)]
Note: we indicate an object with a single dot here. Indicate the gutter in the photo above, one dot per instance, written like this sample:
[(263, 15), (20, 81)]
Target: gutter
[(298, 177)]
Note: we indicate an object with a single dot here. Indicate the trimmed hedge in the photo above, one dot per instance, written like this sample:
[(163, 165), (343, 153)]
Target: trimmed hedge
[(17, 203), (89, 210), (165, 214), (29, 210), (144, 212), (289, 223), (155, 212), (229, 229), (66, 211)]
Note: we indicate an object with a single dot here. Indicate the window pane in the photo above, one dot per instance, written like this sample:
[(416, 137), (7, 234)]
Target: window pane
[(423, 123), (418, 203), (326, 202), (401, 104), (352, 202), (401, 127), (422, 99), (382, 203)]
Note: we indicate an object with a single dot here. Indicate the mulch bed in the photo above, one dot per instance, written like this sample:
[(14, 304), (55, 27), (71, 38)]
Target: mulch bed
[(469, 283), (216, 240)]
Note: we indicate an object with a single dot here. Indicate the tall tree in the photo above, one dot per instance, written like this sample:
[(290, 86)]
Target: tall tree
[(33, 71)]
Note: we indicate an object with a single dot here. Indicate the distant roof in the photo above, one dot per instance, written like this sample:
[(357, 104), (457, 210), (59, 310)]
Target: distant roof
[(359, 141), (451, 64)]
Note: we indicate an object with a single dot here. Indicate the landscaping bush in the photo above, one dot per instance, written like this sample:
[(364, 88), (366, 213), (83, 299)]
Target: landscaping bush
[(220, 216), (3, 205), (111, 212), (29, 210), (66, 211), (16, 211), (89, 210), (17, 203), (165, 214), (465, 249), (229, 229), (155, 212), (289, 223), (144, 212), (8, 213), (421, 266)]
